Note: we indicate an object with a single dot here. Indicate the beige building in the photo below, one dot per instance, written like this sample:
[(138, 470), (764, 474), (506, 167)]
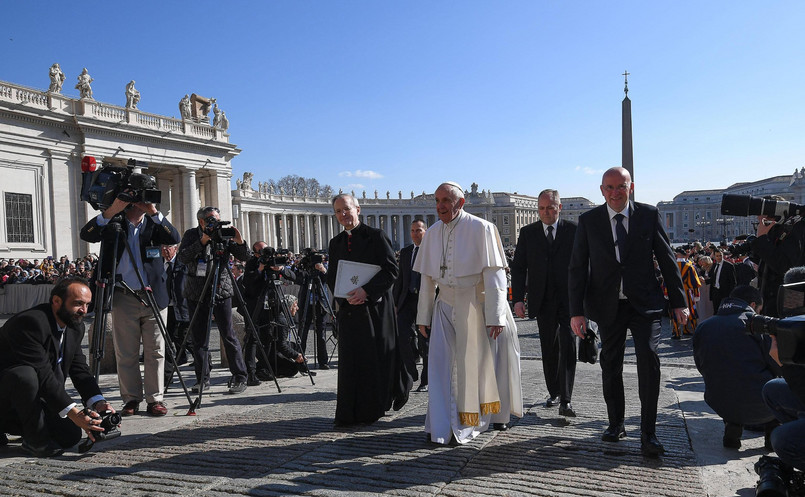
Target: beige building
[(44, 135)]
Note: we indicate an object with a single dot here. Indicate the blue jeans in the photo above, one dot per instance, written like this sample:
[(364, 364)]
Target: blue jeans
[(788, 439)]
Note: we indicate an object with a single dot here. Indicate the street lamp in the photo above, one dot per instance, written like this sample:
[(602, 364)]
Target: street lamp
[(724, 221), (702, 225)]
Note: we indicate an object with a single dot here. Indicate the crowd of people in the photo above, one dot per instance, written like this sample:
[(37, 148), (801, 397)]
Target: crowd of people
[(47, 270), (448, 299)]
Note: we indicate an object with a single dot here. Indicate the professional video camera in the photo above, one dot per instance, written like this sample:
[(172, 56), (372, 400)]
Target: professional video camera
[(102, 186), (790, 331), (274, 257), (312, 257), (747, 205), (217, 230)]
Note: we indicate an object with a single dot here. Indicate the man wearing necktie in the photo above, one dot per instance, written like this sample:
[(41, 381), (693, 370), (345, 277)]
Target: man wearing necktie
[(540, 264), (178, 311), (406, 295), (38, 349), (612, 282), (722, 279)]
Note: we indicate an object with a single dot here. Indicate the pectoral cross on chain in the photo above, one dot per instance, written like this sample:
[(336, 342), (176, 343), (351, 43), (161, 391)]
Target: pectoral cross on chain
[(443, 268)]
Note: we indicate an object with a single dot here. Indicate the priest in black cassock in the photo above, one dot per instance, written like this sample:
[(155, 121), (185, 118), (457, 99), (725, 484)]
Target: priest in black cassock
[(371, 374)]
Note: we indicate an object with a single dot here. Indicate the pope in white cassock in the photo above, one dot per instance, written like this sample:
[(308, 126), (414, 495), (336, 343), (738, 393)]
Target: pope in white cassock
[(474, 361)]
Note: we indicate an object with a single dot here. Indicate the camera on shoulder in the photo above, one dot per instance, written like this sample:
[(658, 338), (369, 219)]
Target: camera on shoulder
[(101, 187)]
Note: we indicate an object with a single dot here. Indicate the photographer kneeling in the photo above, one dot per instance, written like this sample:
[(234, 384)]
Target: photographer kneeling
[(265, 304), (38, 349)]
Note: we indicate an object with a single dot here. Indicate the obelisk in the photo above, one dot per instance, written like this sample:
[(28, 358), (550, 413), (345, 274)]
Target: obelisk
[(627, 160)]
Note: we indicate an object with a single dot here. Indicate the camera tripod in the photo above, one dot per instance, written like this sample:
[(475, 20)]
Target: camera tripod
[(217, 260), (273, 292), (106, 283), (318, 293)]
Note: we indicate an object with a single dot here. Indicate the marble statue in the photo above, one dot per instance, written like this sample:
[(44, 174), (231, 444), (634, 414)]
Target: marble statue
[(132, 96), (238, 184), (270, 188), (375, 193), (364, 194), (247, 181), (224, 121), (184, 107), (399, 194), (83, 85), (56, 79), (388, 195), (412, 193), (216, 113)]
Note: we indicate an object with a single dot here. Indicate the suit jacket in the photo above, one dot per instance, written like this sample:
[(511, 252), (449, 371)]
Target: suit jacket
[(595, 274), (535, 264), (403, 281), (152, 235), (28, 339), (175, 285), (727, 281)]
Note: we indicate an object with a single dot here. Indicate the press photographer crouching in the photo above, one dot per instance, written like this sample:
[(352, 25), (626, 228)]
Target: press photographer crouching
[(271, 311), (206, 246), (39, 348)]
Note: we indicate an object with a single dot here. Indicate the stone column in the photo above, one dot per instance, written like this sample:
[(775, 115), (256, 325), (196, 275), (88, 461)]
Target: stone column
[(308, 229), (246, 233), (271, 232), (295, 221), (319, 233), (401, 231), (191, 203)]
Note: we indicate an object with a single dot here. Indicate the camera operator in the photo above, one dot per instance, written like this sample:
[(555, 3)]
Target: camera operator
[(779, 246), (38, 349), (135, 323), (195, 252), (264, 268), (786, 398), (311, 276)]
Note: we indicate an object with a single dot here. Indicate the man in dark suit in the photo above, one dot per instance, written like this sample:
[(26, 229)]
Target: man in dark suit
[(722, 278), (133, 322), (406, 296), (39, 348), (371, 376), (178, 311), (540, 264), (612, 281)]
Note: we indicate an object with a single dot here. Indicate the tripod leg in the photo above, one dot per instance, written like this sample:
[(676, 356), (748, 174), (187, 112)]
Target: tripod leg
[(289, 319)]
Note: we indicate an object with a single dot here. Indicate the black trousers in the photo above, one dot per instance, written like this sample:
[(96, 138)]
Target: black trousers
[(406, 328), (314, 311), (646, 334), (23, 412), (177, 331), (201, 340), (558, 348)]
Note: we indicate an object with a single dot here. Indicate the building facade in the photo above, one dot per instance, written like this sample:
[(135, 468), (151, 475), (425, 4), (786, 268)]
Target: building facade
[(696, 214), (44, 135)]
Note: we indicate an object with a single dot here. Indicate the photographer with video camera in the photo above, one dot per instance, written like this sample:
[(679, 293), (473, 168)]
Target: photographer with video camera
[(39, 348), (196, 252), (780, 241), (312, 280), (141, 230), (262, 270)]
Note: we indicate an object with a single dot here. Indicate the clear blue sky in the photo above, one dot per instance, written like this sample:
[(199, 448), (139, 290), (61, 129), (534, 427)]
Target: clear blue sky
[(402, 95)]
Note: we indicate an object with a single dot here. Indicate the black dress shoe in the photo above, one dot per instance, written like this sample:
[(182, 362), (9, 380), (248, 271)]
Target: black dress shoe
[(565, 409), (650, 446), (50, 449), (732, 435), (324, 366), (614, 433), (422, 388), (551, 401), (500, 426), (400, 401)]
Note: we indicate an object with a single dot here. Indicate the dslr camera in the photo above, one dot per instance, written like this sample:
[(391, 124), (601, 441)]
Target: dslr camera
[(102, 186), (109, 422), (270, 256), (789, 331), (747, 205), (312, 257), (217, 230)]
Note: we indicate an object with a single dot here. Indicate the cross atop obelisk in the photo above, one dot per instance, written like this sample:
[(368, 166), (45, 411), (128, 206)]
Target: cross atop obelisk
[(627, 160)]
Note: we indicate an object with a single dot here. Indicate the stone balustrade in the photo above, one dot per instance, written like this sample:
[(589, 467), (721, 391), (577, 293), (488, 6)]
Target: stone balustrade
[(63, 105)]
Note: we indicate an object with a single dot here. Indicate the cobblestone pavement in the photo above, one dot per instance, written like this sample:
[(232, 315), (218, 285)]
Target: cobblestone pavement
[(265, 442)]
